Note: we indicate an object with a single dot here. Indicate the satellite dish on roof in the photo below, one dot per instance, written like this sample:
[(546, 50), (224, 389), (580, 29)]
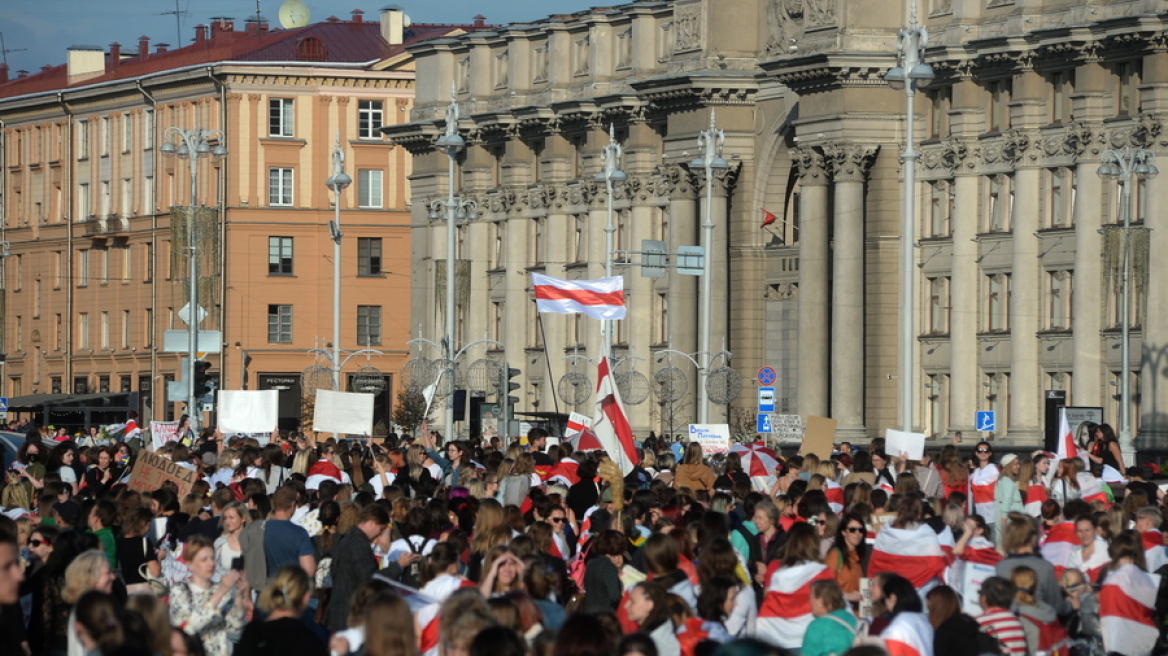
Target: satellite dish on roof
[(406, 22), (293, 14)]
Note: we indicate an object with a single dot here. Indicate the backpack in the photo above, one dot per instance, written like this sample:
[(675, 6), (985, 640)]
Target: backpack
[(1052, 637), (412, 574), (15, 495), (578, 566)]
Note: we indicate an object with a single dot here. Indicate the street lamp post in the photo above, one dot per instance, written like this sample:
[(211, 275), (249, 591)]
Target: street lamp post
[(338, 181), (190, 145), (1126, 166), (610, 157), (909, 74), (710, 143), (456, 209)]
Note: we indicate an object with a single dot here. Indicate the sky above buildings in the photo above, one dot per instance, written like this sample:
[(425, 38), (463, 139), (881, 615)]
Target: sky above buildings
[(45, 28)]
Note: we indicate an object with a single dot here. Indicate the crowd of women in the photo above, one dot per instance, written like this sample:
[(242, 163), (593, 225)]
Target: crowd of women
[(298, 545)]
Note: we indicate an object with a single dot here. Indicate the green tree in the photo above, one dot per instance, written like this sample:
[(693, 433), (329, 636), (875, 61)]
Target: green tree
[(410, 410)]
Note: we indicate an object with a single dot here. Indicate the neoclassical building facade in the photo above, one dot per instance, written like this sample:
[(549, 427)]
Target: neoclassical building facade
[(1012, 299)]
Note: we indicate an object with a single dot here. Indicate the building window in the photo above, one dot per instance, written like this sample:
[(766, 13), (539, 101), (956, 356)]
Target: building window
[(940, 101), (105, 136), (55, 384), (369, 188), (370, 114), (1062, 85), (997, 302), (1127, 91), (149, 265), (125, 329), (939, 209), (127, 263), (498, 253), (103, 267), (82, 201), (82, 139), (105, 331), (999, 200), (311, 49), (280, 324), (280, 117), (83, 267), (19, 274), (938, 306), (58, 336), (999, 109), (280, 256), (80, 385), (936, 395), (83, 330), (1063, 190), (279, 186), (579, 245), (496, 327), (19, 333), (1059, 299), (996, 387), (127, 132), (127, 193), (369, 256), (148, 129), (536, 241), (125, 384), (660, 328), (368, 325)]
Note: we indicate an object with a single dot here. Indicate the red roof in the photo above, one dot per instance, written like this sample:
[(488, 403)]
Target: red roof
[(332, 41)]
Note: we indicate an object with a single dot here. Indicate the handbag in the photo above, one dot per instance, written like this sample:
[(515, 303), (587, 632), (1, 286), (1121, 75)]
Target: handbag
[(158, 585)]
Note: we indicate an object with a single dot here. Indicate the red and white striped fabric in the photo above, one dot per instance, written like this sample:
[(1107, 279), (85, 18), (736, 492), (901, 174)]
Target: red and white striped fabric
[(426, 624), (982, 482), (1090, 489), (566, 471), (610, 423), (1094, 565), (1127, 605), (578, 433), (1066, 443), (1058, 546), (835, 496), (600, 299), (1035, 497), (786, 607), (981, 551), (1155, 555), (914, 553), (909, 634)]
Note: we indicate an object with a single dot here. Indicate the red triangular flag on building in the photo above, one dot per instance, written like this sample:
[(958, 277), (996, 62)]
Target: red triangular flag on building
[(767, 217), (611, 424)]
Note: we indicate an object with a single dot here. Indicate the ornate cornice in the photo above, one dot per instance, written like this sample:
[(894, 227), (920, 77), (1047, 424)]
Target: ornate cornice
[(1140, 133)]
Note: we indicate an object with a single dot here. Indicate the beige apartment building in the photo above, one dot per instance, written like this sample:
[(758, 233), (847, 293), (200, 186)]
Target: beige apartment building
[(96, 269), (1011, 298)]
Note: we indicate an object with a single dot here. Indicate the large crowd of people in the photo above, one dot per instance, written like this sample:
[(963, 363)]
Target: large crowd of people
[(299, 545)]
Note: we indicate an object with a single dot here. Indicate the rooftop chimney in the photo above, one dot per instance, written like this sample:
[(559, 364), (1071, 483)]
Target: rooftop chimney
[(393, 24), (358, 16), (143, 47), (46, 68), (160, 48), (20, 74), (115, 54), (221, 24), (480, 21), (200, 33), (84, 62)]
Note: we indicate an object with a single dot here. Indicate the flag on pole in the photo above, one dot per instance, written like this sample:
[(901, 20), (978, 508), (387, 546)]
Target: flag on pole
[(611, 424), (579, 433), (767, 217), (429, 391), (600, 299)]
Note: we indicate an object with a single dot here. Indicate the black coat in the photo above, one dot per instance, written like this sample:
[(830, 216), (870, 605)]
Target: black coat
[(353, 565)]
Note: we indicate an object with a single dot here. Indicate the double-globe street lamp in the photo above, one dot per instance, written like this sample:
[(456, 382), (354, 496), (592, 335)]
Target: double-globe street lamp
[(909, 74), (710, 144), (190, 145), (1125, 167)]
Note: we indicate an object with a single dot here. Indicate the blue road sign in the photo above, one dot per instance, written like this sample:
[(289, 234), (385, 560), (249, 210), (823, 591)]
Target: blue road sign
[(3, 404), (764, 424), (984, 420), (766, 399), (767, 376)]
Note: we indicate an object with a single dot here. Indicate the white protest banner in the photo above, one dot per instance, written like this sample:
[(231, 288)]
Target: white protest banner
[(714, 438), (971, 576), (251, 411), (152, 470), (163, 432), (343, 412), (787, 428), (898, 442)]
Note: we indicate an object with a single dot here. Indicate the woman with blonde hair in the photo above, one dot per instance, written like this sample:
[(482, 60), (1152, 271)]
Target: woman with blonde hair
[(157, 617), (227, 548), (202, 608), (88, 572), (513, 489), (302, 461), (282, 631)]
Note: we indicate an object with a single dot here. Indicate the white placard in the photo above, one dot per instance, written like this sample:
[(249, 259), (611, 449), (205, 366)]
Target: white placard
[(343, 412), (162, 432), (897, 442), (714, 438), (971, 576), (251, 411)]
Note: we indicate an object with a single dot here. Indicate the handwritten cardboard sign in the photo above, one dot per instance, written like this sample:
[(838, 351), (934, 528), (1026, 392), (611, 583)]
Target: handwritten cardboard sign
[(163, 432), (714, 438), (152, 470), (819, 437)]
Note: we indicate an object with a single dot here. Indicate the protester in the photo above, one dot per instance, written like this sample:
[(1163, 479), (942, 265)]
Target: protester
[(282, 631)]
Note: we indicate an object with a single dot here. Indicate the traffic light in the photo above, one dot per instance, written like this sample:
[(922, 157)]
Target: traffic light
[(202, 385), (512, 385)]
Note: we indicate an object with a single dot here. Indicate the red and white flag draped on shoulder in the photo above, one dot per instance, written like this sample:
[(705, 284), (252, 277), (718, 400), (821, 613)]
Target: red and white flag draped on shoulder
[(611, 423), (600, 299), (916, 553), (785, 613), (909, 634), (1127, 605)]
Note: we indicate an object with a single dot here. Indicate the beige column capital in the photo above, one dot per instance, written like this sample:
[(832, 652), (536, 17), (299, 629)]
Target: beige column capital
[(810, 165), (850, 162)]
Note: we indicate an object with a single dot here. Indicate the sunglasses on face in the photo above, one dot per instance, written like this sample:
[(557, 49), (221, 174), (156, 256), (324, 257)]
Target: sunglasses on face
[(557, 520), (855, 529), (37, 543), (983, 451)]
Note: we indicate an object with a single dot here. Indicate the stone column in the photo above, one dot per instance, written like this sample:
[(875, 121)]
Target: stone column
[(1025, 305), (675, 183), (1086, 326), (814, 269), (849, 164), (964, 378)]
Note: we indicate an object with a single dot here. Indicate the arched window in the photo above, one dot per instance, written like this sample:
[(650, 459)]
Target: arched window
[(311, 49)]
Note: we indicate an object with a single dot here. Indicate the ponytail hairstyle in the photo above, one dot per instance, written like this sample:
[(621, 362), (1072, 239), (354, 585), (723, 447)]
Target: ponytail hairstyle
[(440, 559), (98, 613), (287, 591)]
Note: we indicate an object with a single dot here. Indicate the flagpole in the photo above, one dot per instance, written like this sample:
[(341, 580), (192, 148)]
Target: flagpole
[(610, 155), (546, 358)]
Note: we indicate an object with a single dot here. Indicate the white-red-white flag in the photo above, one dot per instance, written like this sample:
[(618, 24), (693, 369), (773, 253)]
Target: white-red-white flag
[(1127, 604), (611, 424), (785, 612), (1066, 442), (914, 553), (600, 299), (909, 634), (579, 433)]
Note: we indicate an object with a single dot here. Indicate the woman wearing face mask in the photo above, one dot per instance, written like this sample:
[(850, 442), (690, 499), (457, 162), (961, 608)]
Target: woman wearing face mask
[(28, 465), (103, 474)]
